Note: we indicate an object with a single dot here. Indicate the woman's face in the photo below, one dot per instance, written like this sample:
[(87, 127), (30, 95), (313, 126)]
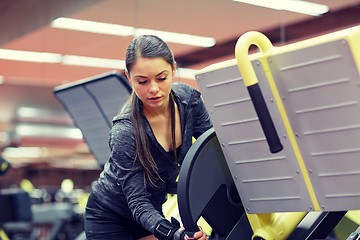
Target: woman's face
[(151, 79)]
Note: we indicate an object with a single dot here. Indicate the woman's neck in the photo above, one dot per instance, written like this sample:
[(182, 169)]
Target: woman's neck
[(157, 113), (160, 122)]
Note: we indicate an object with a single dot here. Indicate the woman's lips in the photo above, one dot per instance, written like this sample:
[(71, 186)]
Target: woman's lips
[(154, 99)]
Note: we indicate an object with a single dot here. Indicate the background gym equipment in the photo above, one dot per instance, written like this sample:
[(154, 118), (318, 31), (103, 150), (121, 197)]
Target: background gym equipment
[(304, 98), (15, 206), (24, 216), (92, 103), (4, 166)]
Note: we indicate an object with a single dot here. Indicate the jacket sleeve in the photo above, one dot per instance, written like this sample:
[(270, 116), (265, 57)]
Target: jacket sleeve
[(131, 176), (202, 120)]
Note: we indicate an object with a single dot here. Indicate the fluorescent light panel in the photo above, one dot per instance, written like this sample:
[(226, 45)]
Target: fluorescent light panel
[(120, 30), (186, 73), (25, 152), (298, 6), (28, 56), (179, 38), (93, 62), (32, 130), (31, 112), (43, 57), (94, 27), (75, 60)]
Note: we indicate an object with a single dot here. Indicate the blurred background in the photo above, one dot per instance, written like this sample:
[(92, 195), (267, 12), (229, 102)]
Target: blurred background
[(47, 43)]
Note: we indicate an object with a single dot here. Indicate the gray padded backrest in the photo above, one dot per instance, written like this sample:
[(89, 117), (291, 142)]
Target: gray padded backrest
[(92, 103)]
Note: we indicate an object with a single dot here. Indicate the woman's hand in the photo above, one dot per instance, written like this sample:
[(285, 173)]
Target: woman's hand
[(200, 235), (166, 230)]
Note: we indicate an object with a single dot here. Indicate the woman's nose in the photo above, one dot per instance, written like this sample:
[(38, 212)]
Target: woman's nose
[(154, 87)]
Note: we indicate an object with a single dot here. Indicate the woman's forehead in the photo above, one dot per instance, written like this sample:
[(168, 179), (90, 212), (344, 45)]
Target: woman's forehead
[(150, 65)]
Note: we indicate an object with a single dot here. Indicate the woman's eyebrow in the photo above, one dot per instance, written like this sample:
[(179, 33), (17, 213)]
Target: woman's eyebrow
[(162, 72), (140, 76)]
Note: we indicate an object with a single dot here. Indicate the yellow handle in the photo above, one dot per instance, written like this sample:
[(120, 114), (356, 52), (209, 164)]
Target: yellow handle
[(251, 82), (242, 54)]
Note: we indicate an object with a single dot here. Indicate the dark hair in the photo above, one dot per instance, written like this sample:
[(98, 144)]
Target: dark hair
[(148, 46)]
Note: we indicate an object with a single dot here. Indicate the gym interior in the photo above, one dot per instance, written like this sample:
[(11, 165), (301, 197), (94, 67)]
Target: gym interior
[(283, 75)]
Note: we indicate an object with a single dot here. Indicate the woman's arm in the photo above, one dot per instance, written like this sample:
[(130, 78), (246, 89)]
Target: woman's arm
[(131, 176)]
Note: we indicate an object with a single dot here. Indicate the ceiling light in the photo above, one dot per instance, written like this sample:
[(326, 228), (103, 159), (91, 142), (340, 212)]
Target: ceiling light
[(94, 27), (298, 6), (25, 152), (71, 60), (31, 112), (120, 30), (186, 73), (180, 38), (30, 56), (43, 130), (42, 115), (93, 62)]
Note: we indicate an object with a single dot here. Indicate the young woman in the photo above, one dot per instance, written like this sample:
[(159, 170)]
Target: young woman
[(148, 141)]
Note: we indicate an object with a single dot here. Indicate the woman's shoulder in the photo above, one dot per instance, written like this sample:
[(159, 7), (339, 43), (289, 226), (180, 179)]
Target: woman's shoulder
[(180, 86), (121, 131), (124, 114), (185, 92), (121, 138), (121, 127)]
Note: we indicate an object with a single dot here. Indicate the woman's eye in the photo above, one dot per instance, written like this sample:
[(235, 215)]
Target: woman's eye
[(142, 82), (163, 78)]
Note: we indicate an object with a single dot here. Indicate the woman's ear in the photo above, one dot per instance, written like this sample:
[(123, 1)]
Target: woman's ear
[(174, 69), (128, 77)]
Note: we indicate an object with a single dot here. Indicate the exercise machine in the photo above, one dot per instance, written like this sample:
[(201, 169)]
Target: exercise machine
[(287, 122), (92, 103)]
